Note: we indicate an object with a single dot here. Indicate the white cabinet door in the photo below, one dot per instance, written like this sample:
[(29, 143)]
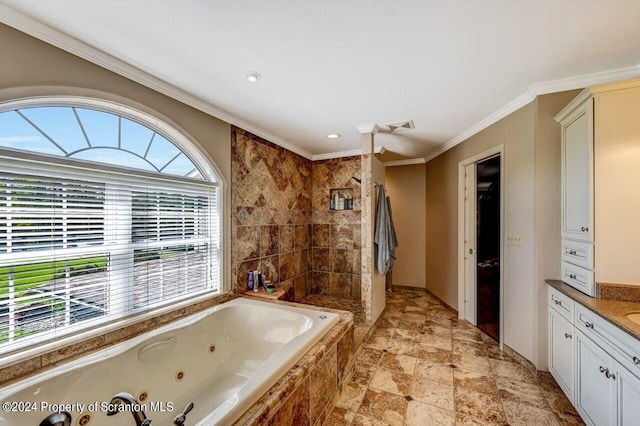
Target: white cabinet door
[(561, 352), (577, 174), (595, 392), (628, 397)]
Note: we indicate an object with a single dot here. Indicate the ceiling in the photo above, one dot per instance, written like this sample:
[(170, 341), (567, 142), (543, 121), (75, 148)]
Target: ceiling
[(453, 67)]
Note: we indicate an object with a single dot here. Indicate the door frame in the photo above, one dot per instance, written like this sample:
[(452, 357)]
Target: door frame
[(497, 150)]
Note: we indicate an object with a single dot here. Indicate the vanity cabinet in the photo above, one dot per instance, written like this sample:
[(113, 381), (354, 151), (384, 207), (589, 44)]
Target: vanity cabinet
[(595, 397), (562, 341), (599, 161), (628, 390), (606, 392), (577, 156), (596, 364), (577, 172), (561, 351)]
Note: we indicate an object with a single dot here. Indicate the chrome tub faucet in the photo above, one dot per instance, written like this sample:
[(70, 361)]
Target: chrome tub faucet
[(125, 398)]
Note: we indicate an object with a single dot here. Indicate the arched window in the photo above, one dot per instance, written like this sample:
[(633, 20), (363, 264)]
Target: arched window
[(105, 212)]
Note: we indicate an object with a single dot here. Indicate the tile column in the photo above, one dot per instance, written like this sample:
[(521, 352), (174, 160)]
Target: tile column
[(372, 294)]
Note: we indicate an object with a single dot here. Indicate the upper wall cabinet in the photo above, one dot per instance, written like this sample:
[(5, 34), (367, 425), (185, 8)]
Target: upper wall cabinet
[(601, 186), (577, 173)]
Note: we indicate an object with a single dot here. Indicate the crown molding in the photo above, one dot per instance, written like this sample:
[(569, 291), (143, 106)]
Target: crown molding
[(582, 81), (349, 153), (534, 90), (37, 29), (512, 106), (407, 162), (368, 128)]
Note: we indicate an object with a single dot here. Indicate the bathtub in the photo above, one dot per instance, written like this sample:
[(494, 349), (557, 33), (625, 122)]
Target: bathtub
[(222, 360)]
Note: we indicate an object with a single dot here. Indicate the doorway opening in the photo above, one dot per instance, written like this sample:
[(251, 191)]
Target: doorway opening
[(480, 236), (488, 246)]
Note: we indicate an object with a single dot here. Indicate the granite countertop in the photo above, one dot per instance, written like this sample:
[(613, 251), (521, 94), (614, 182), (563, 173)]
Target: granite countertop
[(613, 311)]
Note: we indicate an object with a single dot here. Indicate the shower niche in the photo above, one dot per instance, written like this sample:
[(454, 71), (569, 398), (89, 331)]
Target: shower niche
[(341, 199)]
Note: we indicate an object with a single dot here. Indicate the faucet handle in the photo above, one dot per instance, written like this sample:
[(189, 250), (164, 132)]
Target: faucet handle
[(57, 419), (180, 418)]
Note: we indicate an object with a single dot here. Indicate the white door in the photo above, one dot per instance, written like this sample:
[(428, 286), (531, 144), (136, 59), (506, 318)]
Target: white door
[(595, 392), (470, 242), (561, 352)]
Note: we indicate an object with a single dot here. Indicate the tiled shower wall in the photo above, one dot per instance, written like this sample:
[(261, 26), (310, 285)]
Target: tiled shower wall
[(271, 213), (282, 224), (336, 240)]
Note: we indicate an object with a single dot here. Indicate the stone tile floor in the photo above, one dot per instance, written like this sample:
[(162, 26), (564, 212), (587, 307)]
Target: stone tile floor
[(422, 366)]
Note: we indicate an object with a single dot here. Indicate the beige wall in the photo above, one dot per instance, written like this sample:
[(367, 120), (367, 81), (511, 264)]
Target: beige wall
[(406, 188), (520, 133), (36, 69), (616, 177)]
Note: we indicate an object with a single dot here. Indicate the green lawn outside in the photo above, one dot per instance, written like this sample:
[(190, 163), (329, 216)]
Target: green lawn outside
[(28, 277)]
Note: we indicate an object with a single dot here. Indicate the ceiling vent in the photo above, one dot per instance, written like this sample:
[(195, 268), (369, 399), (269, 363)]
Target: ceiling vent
[(399, 126)]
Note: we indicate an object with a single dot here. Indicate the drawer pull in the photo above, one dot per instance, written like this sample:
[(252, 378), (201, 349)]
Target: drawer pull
[(572, 276), (584, 228), (588, 324), (609, 375), (573, 252), (602, 369), (568, 336), (636, 360), (558, 302)]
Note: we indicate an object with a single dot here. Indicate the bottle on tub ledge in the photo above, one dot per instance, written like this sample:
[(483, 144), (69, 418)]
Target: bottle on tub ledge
[(250, 281), (257, 280)]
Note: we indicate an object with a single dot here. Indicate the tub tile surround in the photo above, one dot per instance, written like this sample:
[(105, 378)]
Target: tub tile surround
[(429, 368), (361, 327)]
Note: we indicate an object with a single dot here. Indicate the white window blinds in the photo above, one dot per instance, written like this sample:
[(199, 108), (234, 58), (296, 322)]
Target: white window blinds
[(80, 247)]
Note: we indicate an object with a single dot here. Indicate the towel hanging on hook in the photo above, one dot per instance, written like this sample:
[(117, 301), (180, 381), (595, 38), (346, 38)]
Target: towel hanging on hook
[(385, 236)]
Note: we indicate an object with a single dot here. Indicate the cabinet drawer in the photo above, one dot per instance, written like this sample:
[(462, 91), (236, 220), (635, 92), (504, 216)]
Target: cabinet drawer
[(578, 278), (621, 345), (578, 253), (562, 304)]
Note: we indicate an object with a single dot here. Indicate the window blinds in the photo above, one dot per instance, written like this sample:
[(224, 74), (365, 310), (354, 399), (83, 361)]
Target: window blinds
[(82, 247)]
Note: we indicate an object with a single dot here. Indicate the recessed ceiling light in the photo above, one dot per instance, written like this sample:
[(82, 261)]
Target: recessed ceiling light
[(253, 76), (333, 135)]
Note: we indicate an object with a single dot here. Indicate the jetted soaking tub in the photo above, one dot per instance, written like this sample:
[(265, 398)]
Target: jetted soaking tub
[(222, 360)]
